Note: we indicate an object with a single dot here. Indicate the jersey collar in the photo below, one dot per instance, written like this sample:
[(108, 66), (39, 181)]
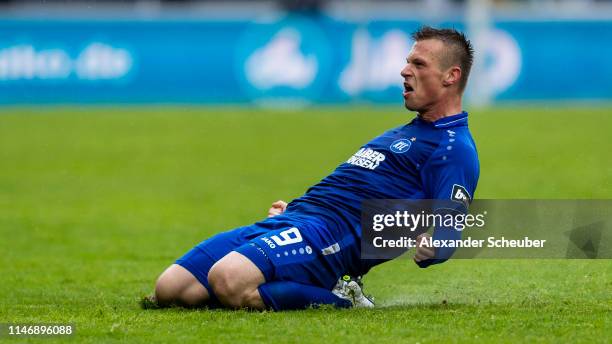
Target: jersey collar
[(459, 119), (452, 121)]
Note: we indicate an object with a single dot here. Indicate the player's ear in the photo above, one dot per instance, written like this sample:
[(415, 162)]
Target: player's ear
[(452, 76)]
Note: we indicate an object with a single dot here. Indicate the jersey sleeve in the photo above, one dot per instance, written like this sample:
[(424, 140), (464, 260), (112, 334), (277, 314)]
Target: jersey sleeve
[(450, 176)]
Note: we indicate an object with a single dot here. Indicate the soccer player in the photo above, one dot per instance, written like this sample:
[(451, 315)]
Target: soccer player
[(295, 257)]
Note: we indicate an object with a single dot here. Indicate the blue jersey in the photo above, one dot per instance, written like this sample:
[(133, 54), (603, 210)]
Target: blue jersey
[(419, 160), (317, 239)]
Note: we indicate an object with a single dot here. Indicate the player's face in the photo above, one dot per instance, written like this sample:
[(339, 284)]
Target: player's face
[(423, 76)]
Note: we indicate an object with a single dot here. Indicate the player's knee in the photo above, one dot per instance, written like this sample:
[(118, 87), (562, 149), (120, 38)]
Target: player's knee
[(226, 287), (177, 286), (167, 290), (234, 279)]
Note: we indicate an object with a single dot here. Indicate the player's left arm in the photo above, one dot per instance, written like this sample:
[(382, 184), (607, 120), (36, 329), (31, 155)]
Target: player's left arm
[(451, 176)]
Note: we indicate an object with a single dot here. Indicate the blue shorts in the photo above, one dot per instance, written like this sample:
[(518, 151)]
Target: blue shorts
[(288, 247)]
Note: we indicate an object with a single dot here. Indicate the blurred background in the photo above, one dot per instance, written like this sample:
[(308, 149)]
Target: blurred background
[(293, 52)]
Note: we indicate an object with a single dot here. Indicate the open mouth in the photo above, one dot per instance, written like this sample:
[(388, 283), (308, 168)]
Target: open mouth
[(407, 89)]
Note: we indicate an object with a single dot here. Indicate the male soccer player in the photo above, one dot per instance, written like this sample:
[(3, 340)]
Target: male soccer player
[(294, 258)]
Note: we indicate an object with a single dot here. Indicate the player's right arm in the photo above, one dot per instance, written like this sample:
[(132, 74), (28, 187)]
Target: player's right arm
[(277, 208)]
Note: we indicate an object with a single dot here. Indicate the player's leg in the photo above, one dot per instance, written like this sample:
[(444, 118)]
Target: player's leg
[(185, 283), (235, 280), (239, 283), (283, 269), (177, 286)]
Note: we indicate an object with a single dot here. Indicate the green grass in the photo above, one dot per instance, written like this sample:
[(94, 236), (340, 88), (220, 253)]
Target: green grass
[(95, 203)]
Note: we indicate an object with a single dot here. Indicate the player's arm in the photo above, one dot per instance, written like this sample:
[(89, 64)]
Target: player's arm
[(277, 208), (426, 255), (423, 251), (450, 176)]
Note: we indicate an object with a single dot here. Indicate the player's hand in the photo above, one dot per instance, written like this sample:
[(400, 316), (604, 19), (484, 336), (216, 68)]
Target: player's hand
[(423, 252), (277, 208)]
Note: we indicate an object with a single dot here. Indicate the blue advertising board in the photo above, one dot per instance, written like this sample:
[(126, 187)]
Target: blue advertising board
[(314, 59)]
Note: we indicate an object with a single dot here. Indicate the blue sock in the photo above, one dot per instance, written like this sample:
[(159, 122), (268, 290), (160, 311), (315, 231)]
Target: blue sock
[(286, 295)]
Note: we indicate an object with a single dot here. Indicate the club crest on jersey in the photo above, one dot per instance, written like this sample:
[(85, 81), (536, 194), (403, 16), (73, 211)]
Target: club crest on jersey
[(400, 146), (366, 158), (461, 195)]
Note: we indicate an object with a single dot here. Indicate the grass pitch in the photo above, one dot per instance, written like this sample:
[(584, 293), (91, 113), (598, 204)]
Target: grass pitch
[(95, 203)]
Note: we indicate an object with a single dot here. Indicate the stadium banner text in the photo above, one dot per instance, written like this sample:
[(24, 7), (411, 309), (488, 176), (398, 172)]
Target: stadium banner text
[(289, 60)]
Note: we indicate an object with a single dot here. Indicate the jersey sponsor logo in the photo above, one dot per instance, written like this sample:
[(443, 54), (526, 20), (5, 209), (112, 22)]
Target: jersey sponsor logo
[(366, 158), (400, 146), (461, 195)]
